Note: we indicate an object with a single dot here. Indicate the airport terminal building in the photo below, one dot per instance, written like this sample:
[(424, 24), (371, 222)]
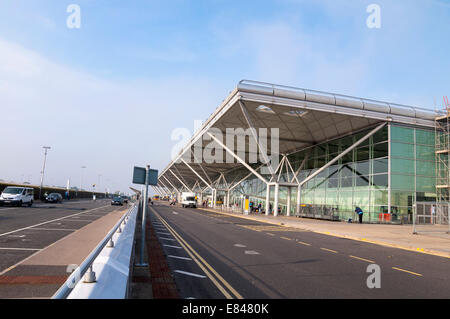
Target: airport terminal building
[(333, 153)]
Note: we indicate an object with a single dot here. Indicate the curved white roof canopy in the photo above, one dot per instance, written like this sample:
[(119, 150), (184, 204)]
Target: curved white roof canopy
[(303, 117)]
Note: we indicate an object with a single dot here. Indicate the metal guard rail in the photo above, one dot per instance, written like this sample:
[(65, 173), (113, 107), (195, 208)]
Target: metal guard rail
[(85, 269)]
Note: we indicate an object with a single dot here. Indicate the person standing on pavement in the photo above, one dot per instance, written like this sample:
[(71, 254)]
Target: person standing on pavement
[(360, 214)]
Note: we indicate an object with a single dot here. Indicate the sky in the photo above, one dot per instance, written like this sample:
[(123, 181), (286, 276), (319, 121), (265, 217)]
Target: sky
[(108, 95)]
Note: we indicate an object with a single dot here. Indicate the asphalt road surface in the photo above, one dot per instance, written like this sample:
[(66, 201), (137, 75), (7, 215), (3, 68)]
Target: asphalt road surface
[(27, 230), (212, 255)]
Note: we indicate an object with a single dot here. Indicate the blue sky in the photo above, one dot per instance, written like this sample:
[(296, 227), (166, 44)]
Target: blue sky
[(108, 95)]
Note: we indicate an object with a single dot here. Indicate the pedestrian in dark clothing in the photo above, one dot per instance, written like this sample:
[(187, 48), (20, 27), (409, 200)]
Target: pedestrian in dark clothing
[(360, 214)]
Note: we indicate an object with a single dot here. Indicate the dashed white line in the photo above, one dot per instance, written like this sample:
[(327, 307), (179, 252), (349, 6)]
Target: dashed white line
[(179, 257), (30, 249), (167, 239), (189, 274), (171, 246)]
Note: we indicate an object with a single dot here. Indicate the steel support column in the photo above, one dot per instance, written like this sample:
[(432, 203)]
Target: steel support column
[(180, 181), (288, 202), (275, 199), (237, 158)]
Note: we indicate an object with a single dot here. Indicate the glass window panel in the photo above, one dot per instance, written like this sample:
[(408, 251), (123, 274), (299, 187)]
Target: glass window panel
[(360, 136), (425, 137), (332, 198), (380, 180), (425, 153), (361, 198), (426, 168), (402, 166), (426, 184), (379, 197), (333, 147), (363, 168), (346, 181), (346, 170), (333, 183), (362, 154), (403, 182), (380, 165), (402, 150), (401, 198), (380, 150), (402, 134), (362, 181), (381, 135), (347, 158)]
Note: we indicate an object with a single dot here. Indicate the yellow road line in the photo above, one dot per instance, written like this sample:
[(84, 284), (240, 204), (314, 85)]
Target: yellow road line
[(330, 250), (376, 242), (285, 238), (199, 260), (409, 272), (270, 234), (363, 259)]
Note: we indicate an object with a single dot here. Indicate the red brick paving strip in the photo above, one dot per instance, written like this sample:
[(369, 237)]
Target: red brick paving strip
[(163, 284), (32, 280)]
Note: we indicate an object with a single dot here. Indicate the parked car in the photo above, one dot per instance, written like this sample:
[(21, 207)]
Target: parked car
[(17, 196), (54, 198), (117, 200), (125, 199)]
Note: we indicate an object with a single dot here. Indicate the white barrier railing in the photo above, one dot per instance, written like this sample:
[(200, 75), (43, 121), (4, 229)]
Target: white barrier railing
[(107, 268)]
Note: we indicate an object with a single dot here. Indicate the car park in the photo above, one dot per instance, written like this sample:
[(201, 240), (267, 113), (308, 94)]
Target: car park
[(17, 196)]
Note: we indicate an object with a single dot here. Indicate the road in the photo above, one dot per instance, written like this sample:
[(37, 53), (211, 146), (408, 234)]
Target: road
[(25, 231), (212, 255)]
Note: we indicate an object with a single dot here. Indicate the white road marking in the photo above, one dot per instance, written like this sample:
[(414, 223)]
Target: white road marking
[(65, 229), (177, 247), (167, 239), (175, 213), (251, 252), (17, 236), (31, 249), (163, 233), (239, 245), (48, 222), (178, 257), (189, 274)]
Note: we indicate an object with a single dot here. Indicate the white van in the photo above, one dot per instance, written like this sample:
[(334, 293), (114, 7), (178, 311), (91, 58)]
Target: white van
[(17, 196), (188, 200)]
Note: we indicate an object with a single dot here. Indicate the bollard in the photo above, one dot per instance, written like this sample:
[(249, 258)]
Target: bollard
[(89, 277), (110, 243)]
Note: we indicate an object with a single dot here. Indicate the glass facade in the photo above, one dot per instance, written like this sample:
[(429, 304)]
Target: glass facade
[(361, 177)]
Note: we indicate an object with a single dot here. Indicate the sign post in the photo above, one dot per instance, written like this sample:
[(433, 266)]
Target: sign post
[(144, 176)]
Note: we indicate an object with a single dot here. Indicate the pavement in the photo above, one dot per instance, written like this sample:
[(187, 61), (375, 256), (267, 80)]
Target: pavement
[(397, 236), (38, 244)]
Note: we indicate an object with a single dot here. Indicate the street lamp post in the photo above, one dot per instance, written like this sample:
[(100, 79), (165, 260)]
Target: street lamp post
[(81, 178), (46, 148)]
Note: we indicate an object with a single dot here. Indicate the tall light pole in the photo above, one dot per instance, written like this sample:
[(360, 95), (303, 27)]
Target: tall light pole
[(81, 179), (99, 177), (46, 148)]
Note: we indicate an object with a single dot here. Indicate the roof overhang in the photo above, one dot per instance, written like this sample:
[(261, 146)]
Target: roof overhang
[(302, 117)]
